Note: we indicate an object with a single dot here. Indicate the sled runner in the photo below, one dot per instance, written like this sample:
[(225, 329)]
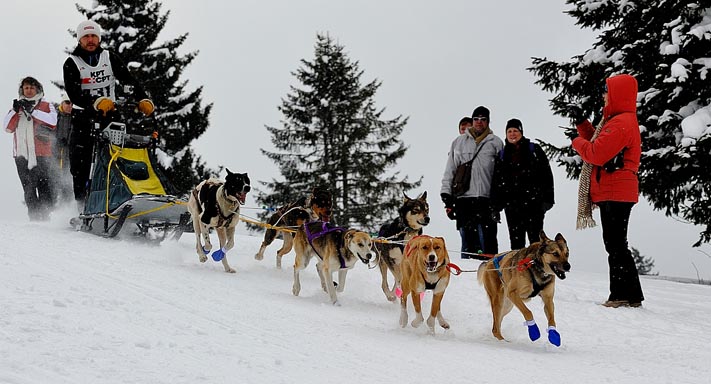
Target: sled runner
[(128, 194)]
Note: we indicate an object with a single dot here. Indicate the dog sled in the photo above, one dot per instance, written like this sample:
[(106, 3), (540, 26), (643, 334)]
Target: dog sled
[(128, 195)]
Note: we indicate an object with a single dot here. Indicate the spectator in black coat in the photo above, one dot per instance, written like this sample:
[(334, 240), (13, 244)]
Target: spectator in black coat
[(522, 185)]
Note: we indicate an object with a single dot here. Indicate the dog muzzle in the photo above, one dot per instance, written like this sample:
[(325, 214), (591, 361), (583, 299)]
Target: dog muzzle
[(559, 269)]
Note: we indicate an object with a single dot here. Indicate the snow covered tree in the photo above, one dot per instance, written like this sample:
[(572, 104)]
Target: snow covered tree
[(666, 45), (131, 28), (333, 136)]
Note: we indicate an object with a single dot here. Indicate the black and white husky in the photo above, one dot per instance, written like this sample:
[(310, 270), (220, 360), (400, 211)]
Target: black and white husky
[(215, 204), (413, 215)]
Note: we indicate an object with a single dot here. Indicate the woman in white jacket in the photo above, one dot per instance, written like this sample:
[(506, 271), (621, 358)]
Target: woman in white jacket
[(32, 121)]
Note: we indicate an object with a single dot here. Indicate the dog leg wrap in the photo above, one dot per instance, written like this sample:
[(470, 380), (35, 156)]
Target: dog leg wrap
[(219, 254), (553, 336), (205, 250), (533, 332)]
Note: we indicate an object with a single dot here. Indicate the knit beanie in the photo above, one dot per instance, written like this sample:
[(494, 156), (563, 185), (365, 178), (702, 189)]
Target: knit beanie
[(515, 123), (481, 111), (88, 27)]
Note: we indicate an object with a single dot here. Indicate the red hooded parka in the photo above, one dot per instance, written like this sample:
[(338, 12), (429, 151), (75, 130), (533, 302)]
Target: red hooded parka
[(620, 131)]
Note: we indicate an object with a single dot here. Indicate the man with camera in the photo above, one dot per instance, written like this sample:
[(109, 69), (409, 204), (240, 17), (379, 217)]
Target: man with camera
[(91, 74), (466, 185)]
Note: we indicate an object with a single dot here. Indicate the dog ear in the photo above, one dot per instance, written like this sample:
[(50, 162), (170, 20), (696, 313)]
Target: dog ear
[(543, 236), (423, 196), (559, 238), (407, 198)]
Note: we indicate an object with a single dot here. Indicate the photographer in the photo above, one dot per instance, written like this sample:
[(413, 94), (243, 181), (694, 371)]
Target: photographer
[(611, 154), (91, 74), (32, 121)]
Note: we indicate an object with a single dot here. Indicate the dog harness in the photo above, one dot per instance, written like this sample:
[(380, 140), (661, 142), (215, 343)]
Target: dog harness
[(326, 228), (222, 220), (537, 287)]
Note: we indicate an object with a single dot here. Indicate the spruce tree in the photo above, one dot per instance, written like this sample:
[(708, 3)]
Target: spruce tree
[(131, 28), (665, 45), (644, 264), (333, 136)]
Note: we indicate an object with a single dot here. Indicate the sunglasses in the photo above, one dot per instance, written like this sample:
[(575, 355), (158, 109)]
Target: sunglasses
[(480, 118)]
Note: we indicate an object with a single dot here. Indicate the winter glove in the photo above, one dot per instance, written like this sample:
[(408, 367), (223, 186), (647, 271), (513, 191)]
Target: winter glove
[(553, 336), (450, 213), (576, 114), (448, 201), (533, 332), (104, 104), (496, 216), (545, 206), (16, 105), (146, 107)]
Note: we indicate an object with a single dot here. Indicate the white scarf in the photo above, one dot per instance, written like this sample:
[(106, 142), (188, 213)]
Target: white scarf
[(25, 133)]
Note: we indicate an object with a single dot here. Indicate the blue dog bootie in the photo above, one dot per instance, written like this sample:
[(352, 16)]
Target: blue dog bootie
[(553, 336), (219, 254), (533, 332)]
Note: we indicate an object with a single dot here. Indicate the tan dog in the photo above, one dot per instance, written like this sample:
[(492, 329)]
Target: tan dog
[(423, 267), (515, 277), (215, 204), (337, 249)]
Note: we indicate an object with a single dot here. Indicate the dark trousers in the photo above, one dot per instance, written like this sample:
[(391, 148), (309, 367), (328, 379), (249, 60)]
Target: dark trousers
[(80, 155), (476, 218), (36, 186), (524, 221), (624, 279)]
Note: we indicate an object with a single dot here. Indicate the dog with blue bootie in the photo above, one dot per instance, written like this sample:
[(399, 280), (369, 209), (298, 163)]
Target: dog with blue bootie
[(215, 204), (514, 277)]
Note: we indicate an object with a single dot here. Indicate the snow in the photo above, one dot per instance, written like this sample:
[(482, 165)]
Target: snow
[(81, 309)]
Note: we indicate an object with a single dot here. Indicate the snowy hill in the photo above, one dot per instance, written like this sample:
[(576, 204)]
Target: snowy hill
[(81, 309)]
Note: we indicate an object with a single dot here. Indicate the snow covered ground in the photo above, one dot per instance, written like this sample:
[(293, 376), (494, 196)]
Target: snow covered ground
[(75, 308)]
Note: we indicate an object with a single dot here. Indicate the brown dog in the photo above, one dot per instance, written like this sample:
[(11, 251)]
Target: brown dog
[(316, 206), (337, 249), (515, 277), (424, 266)]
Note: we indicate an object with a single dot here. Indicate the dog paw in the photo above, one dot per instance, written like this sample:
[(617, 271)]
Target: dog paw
[(431, 323), (258, 256), (336, 303), (295, 290), (444, 324), (230, 270), (390, 297), (533, 332), (418, 321), (553, 336), (203, 258), (403, 320)]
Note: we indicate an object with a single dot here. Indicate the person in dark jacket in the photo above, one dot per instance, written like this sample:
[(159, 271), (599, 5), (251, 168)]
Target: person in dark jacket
[(611, 153), (522, 185), (62, 180), (90, 80)]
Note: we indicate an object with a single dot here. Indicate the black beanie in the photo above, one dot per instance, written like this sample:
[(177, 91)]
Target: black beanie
[(481, 111), (515, 123)]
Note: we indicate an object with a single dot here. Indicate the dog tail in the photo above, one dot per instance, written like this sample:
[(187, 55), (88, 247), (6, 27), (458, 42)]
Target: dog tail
[(481, 271)]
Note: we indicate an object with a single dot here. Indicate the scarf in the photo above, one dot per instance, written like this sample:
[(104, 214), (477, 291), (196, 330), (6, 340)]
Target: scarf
[(481, 137), (585, 205), (25, 133)]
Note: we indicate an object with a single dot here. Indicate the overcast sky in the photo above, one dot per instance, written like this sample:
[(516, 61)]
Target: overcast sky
[(437, 61)]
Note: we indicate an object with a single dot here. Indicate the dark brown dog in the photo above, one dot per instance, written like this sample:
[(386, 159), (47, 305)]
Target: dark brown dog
[(515, 277), (317, 206)]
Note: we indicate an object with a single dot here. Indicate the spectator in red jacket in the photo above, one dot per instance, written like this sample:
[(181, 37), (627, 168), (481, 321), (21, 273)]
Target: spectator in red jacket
[(32, 121), (612, 153)]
